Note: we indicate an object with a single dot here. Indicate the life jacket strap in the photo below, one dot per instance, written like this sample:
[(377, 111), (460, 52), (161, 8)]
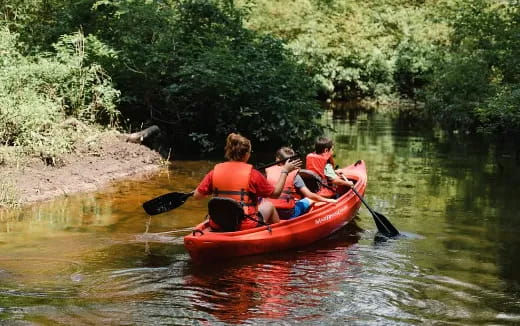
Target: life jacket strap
[(259, 221), (242, 193)]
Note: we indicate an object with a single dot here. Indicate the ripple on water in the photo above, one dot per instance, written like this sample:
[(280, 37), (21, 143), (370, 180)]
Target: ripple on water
[(40, 276)]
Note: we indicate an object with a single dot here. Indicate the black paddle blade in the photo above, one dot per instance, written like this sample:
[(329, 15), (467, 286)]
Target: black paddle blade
[(165, 202), (384, 226)]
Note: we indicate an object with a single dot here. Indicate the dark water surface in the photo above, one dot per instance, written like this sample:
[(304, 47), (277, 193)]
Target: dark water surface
[(88, 260)]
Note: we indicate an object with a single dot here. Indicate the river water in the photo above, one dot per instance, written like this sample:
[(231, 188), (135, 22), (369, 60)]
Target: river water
[(98, 259)]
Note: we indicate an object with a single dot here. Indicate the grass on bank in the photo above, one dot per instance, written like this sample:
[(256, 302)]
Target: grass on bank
[(9, 196)]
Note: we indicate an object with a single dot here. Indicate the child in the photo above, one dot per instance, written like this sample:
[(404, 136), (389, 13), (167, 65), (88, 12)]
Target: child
[(322, 163), (289, 205)]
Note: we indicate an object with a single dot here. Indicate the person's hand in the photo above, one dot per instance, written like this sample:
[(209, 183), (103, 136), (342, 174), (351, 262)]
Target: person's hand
[(330, 200), (348, 183), (292, 165)]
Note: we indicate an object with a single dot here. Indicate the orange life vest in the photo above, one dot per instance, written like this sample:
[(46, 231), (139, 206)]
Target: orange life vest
[(231, 180), (316, 163), (287, 198)]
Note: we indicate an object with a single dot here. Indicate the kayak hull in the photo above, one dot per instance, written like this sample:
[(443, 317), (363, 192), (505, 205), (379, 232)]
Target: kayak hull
[(322, 220)]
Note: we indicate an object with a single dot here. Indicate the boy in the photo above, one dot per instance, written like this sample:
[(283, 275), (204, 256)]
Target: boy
[(322, 163)]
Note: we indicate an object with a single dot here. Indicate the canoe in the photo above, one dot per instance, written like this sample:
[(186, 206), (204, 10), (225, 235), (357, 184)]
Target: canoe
[(322, 220)]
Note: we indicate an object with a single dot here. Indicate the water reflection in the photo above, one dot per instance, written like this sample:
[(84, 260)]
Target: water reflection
[(277, 285)]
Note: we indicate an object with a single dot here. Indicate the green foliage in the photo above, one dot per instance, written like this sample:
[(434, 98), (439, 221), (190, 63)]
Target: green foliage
[(9, 196), (264, 95), (500, 113), (457, 89), (40, 22), (26, 115), (38, 93), (476, 85), (85, 88), (414, 63), (176, 63), (356, 50), (193, 68), (143, 34)]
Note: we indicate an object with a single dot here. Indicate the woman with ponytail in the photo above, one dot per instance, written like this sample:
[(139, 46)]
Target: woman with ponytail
[(238, 180)]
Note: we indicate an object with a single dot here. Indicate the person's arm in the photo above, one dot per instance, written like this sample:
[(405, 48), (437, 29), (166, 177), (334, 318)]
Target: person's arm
[(334, 178), (287, 168), (314, 196), (205, 187), (340, 182), (198, 195)]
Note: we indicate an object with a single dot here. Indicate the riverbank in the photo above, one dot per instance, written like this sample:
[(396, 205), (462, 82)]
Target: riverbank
[(93, 164)]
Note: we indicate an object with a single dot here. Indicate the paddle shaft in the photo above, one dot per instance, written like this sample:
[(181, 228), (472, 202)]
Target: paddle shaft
[(363, 200), (278, 162)]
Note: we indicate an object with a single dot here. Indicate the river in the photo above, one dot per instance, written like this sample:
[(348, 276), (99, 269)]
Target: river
[(98, 259)]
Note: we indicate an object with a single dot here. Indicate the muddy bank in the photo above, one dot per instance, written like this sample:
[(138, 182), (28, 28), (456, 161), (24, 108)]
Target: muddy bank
[(91, 166)]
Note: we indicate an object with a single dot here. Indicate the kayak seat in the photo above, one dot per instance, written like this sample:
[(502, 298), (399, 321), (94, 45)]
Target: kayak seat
[(226, 213)]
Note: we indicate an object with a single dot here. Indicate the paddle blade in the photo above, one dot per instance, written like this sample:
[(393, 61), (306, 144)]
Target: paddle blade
[(384, 226), (165, 202)]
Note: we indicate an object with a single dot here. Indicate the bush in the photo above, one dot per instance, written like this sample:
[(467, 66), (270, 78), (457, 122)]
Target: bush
[(476, 86), (457, 89), (500, 114), (413, 65), (27, 113), (189, 66), (86, 90), (38, 93), (199, 74), (263, 95), (354, 50)]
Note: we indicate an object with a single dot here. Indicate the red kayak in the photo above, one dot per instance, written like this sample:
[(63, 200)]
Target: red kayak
[(322, 220)]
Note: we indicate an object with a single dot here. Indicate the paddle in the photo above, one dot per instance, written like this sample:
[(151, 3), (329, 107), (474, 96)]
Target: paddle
[(383, 224), (173, 200), (166, 202), (261, 167)]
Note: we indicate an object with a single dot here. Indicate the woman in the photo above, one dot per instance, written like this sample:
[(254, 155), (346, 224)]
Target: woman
[(238, 180)]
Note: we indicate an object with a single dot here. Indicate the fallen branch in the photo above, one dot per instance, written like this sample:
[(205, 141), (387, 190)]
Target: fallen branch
[(139, 137)]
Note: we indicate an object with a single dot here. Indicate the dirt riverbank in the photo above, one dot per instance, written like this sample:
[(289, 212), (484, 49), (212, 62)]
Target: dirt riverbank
[(91, 166)]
